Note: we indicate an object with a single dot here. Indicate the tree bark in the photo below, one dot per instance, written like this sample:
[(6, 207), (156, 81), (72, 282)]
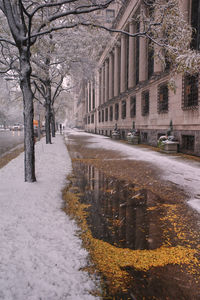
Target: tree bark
[(48, 122), (53, 125), (29, 149)]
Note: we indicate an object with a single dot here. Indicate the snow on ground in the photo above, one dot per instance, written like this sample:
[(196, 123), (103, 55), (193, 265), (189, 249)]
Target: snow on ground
[(183, 172), (40, 254)]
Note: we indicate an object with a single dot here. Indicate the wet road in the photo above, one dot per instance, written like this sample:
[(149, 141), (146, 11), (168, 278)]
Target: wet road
[(9, 140), (146, 236)]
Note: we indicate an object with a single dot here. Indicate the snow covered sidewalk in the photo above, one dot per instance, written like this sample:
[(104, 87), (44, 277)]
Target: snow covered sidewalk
[(40, 254)]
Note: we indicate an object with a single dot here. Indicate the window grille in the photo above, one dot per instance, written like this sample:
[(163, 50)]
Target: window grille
[(111, 113), (99, 116), (163, 95), (123, 109), (190, 90), (145, 103), (133, 107), (188, 142), (116, 111), (102, 115), (106, 115)]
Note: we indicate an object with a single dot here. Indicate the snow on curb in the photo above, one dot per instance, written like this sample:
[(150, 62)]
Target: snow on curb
[(40, 254), (185, 173)]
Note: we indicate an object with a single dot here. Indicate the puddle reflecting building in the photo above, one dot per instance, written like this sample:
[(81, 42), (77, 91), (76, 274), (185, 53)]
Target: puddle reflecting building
[(119, 214), (131, 87)]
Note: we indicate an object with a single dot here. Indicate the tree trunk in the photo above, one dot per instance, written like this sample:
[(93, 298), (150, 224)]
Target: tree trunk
[(48, 108), (48, 122), (29, 149), (53, 125)]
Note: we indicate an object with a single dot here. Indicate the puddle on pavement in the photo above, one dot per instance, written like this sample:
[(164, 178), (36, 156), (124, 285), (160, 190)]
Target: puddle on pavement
[(126, 217), (118, 212)]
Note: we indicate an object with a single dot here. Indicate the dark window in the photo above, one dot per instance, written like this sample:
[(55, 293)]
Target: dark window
[(99, 116), (92, 119), (102, 115), (124, 109), (133, 107), (110, 15), (88, 119), (150, 59), (190, 97), (144, 137), (163, 98), (195, 23), (106, 115), (111, 113), (116, 111), (145, 103), (188, 142)]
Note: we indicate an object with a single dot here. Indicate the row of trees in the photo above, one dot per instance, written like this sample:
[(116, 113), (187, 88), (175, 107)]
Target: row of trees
[(43, 41)]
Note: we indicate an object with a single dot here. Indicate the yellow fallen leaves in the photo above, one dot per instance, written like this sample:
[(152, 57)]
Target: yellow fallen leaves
[(112, 261)]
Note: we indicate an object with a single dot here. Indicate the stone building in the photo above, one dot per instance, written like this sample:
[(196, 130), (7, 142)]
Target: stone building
[(131, 88)]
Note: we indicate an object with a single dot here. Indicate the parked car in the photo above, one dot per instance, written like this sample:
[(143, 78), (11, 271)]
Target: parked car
[(16, 127)]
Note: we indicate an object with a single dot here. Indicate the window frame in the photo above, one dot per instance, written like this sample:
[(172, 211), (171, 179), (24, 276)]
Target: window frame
[(163, 105), (133, 107), (123, 111), (187, 103), (145, 104)]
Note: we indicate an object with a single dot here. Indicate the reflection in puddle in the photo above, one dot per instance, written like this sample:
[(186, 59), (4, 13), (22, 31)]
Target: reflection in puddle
[(123, 216), (118, 211)]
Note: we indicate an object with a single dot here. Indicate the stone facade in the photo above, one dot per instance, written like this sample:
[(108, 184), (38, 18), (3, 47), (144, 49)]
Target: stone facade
[(131, 90)]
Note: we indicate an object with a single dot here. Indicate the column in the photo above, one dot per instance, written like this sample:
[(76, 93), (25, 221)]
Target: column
[(106, 80), (116, 71), (86, 97), (123, 64), (143, 59), (111, 75), (158, 67), (131, 70), (102, 85), (99, 87), (184, 6), (103, 70)]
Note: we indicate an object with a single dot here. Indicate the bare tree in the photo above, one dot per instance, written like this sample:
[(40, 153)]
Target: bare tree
[(162, 22), (25, 25)]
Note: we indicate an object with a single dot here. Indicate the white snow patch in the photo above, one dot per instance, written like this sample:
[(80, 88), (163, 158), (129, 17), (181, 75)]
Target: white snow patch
[(183, 172), (40, 254)]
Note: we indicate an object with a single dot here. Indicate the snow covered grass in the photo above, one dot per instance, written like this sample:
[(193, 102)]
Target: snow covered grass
[(40, 254), (183, 172)]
